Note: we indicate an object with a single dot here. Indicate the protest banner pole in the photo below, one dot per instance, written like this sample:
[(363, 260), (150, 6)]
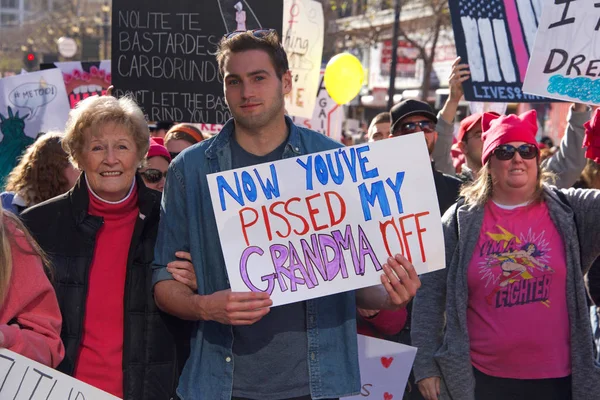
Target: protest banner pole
[(392, 87)]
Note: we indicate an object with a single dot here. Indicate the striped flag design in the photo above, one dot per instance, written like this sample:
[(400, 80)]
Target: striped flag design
[(491, 28)]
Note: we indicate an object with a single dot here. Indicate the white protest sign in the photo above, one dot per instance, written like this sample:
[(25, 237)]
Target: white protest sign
[(303, 31), (324, 223), (384, 368), (327, 115), (25, 379), (40, 99), (565, 63)]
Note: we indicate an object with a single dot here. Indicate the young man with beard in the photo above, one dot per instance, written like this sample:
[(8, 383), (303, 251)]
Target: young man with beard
[(243, 349), (471, 145)]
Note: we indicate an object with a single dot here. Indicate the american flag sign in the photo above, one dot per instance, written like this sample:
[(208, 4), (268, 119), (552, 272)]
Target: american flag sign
[(496, 38)]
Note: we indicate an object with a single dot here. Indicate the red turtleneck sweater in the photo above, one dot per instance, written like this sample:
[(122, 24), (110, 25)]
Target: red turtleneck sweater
[(100, 360)]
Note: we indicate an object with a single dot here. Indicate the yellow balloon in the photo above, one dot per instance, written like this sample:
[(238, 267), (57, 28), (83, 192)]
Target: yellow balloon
[(343, 77)]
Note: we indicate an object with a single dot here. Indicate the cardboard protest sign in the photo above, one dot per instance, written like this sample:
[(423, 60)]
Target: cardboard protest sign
[(495, 37), (163, 53), (325, 223), (327, 116), (29, 104), (83, 78), (384, 368), (565, 63), (303, 31), (25, 379)]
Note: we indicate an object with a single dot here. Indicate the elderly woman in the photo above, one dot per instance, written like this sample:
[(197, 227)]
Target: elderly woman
[(43, 172), (180, 137), (100, 239), (507, 318)]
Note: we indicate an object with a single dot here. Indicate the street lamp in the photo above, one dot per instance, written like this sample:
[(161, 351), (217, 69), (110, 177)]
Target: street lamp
[(105, 26)]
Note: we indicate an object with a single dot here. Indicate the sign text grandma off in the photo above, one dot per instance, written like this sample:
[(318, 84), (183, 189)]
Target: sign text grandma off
[(324, 223)]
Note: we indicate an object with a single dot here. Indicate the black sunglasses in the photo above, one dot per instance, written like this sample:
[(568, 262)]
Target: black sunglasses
[(153, 175), (173, 154), (412, 127), (257, 33), (506, 152)]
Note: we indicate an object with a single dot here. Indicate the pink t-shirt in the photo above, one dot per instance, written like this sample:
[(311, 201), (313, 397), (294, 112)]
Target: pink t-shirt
[(517, 313)]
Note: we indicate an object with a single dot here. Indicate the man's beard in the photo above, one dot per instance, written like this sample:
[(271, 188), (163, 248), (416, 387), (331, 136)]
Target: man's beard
[(261, 120)]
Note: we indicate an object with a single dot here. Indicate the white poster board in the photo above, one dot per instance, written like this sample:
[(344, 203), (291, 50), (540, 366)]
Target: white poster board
[(40, 99), (25, 379), (302, 38), (324, 223), (384, 368), (565, 63), (327, 117)]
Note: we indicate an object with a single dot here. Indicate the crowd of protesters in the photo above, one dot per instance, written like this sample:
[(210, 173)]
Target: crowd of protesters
[(112, 272)]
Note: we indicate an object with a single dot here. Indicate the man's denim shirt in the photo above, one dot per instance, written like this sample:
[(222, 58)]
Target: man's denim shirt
[(187, 222)]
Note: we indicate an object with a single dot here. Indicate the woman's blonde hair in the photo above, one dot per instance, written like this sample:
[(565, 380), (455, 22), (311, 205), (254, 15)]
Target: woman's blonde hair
[(39, 176), (481, 189), (9, 224), (92, 113)]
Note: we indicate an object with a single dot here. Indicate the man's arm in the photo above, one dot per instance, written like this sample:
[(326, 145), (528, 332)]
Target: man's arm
[(442, 156), (225, 306), (568, 162), (177, 299)]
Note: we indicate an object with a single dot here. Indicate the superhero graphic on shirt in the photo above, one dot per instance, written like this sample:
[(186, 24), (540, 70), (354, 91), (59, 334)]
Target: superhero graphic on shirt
[(516, 269)]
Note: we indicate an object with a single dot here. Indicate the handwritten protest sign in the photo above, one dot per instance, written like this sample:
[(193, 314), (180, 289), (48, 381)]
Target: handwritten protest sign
[(495, 37), (384, 368), (327, 115), (163, 53), (25, 379), (83, 78), (29, 104), (325, 223), (303, 30), (566, 57)]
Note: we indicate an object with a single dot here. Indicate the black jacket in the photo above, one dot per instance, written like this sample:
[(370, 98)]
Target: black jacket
[(447, 188), (67, 233)]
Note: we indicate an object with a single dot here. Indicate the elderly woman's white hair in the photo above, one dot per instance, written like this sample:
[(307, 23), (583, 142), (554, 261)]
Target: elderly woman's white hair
[(92, 113)]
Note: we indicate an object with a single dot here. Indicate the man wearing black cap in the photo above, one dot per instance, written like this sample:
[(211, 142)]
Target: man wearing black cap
[(412, 116)]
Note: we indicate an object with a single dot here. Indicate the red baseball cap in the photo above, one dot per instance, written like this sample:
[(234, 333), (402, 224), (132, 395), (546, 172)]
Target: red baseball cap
[(467, 124)]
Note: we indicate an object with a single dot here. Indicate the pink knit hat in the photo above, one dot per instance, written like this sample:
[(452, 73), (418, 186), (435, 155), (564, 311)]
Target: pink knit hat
[(158, 149), (499, 130)]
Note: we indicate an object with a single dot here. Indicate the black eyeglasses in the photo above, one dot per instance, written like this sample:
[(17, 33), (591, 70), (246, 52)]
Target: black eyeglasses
[(257, 33), (153, 175), (173, 154), (506, 152), (412, 127)]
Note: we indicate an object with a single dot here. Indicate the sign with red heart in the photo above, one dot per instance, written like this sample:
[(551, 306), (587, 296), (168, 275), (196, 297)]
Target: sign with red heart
[(384, 368)]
